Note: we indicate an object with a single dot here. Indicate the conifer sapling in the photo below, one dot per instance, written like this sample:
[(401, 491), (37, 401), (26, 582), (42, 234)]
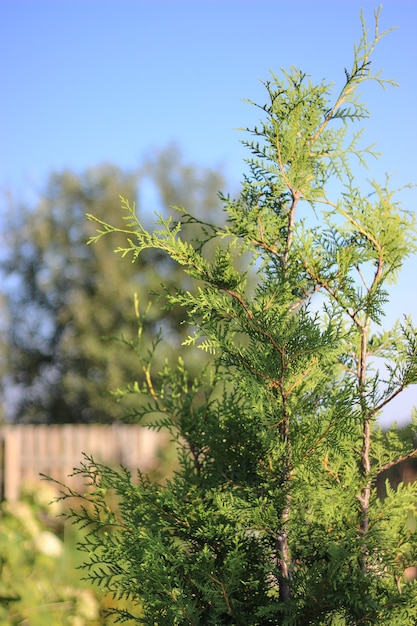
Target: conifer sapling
[(272, 514)]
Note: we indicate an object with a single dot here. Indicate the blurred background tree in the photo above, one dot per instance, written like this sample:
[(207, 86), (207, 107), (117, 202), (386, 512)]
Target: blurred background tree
[(64, 301)]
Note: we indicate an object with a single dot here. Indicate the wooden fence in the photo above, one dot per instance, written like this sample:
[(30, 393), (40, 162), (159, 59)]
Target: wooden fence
[(55, 450)]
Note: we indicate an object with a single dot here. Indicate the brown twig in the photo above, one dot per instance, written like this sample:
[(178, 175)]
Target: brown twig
[(400, 459)]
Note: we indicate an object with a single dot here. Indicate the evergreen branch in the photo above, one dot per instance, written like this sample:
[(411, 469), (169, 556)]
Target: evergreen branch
[(324, 435), (282, 167), (301, 378), (107, 228), (182, 608), (238, 299), (387, 400), (400, 459), (290, 228), (224, 593), (360, 72), (359, 228)]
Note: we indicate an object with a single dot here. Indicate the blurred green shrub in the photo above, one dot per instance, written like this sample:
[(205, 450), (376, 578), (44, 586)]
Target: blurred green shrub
[(39, 580)]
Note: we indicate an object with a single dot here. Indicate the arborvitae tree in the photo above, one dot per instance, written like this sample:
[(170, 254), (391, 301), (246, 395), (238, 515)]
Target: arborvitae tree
[(273, 515)]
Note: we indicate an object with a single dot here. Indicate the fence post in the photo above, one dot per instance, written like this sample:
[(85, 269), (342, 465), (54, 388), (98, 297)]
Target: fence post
[(11, 463)]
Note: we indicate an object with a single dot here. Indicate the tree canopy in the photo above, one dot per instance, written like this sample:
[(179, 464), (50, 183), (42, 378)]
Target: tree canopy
[(65, 301)]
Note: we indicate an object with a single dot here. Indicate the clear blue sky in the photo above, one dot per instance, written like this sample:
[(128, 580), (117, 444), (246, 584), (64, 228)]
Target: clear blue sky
[(87, 81)]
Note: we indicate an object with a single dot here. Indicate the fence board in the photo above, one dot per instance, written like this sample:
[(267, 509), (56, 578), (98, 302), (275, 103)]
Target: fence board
[(55, 450)]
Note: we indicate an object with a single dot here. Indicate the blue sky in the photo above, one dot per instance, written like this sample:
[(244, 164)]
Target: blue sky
[(87, 81)]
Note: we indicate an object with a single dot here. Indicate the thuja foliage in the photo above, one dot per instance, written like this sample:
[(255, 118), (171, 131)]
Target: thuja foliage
[(272, 516)]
